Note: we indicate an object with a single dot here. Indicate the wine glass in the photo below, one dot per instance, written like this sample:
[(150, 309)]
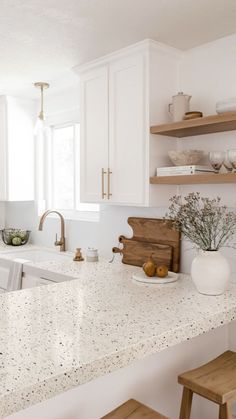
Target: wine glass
[(216, 159), (227, 164), (232, 158)]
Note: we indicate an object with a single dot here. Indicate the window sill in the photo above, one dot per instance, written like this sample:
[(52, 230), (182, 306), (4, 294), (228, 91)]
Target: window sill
[(91, 216), (87, 216)]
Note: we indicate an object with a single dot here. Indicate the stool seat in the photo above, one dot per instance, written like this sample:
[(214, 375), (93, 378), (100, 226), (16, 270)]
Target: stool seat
[(216, 380), (133, 410)]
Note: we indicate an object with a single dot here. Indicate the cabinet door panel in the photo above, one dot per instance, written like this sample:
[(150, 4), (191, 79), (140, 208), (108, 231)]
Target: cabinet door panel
[(17, 149), (127, 130), (31, 281), (3, 149), (94, 133), (20, 149)]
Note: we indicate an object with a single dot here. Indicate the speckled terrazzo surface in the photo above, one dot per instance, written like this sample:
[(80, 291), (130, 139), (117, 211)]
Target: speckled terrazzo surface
[(59, 336)]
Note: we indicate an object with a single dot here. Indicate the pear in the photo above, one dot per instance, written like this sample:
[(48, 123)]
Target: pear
[(162, 271), (149, 267)]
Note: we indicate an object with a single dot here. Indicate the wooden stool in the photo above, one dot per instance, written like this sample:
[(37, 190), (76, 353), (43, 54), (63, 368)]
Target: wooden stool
[(215, 381), (133, 410)]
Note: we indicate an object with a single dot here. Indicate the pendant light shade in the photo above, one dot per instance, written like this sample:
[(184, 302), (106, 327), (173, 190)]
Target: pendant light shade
[(40, 126)]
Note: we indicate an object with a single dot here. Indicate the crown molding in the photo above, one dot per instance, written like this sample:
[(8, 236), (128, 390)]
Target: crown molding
[(143, 46)]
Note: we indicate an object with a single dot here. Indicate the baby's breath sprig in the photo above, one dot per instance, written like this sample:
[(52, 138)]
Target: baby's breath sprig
[(203, 221)]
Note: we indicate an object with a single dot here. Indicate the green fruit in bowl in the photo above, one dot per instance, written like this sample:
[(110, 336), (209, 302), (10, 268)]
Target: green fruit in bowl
[(13, 235), (22, 235), (16, 241)]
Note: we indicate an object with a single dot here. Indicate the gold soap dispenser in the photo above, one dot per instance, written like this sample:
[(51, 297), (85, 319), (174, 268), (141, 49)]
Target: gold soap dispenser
[(78, 255)]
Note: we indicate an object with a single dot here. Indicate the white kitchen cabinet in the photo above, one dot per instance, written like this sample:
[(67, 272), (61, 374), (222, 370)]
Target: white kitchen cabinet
[(127, 130), (94, 133), (121, 94), (16, 149), (112, 132)]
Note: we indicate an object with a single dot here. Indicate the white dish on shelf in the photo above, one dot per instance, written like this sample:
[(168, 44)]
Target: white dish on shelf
[(185, 157), (142, 277), (228, 105)]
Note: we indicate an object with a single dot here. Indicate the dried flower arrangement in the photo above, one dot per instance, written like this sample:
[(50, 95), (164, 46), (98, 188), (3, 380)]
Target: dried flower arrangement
[(203, 221)]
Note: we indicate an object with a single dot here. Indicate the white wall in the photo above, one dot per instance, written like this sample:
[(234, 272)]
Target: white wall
[(208, 74)]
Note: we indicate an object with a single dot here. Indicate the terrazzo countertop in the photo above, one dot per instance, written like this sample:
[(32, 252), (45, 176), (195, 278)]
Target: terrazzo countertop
[(55, 337)]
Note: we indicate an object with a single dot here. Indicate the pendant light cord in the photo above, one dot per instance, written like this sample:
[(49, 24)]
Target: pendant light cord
[(41, 115)]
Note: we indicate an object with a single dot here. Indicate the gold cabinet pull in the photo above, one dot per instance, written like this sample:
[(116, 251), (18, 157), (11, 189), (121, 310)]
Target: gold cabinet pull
[(103, 191), (108, 183)]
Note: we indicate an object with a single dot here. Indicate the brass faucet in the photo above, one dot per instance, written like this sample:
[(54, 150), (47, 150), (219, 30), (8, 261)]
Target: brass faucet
[(62, 241)]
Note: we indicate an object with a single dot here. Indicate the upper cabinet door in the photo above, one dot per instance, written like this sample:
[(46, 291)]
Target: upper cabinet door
[(127, 130), (94, 135), (20, 149), (17, 149)]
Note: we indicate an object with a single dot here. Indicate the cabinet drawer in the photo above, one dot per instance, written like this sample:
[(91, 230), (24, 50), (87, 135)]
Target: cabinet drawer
[(30, 281), (43, 281)]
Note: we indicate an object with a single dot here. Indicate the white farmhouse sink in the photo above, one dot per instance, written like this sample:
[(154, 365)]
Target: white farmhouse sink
[(26, 256), (36, 255)]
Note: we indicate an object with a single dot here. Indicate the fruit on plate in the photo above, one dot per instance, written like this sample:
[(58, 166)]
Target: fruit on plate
[(16, 241), (149, 267), (162, 271)]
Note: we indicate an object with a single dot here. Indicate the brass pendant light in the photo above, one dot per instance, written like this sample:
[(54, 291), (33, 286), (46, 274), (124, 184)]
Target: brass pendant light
[(41, 85)]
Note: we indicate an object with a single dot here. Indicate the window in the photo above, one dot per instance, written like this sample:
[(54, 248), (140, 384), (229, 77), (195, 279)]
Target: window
[(61, 174), (63, 159)]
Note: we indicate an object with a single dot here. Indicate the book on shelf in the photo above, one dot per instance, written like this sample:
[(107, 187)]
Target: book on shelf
[(183, 170)]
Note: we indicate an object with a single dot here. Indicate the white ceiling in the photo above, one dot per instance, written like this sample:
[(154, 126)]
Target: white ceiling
[(44, 39)]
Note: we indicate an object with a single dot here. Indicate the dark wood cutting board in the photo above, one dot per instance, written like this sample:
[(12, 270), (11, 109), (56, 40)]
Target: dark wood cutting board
[(135, 251), (149, 235)]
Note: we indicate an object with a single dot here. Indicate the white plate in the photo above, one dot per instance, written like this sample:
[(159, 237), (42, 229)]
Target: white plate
[(226, 101), (227, 107), (142, 277)]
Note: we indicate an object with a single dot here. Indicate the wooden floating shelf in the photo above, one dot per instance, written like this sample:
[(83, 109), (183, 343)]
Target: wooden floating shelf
[(204, 178), (199, 126)]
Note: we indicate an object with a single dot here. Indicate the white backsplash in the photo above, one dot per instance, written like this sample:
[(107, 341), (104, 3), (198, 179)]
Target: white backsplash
[(102, 234), (2, 214)]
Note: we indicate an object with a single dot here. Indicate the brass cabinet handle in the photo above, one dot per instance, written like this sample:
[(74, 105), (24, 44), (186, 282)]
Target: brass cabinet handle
[(108, 183), (103, 192)]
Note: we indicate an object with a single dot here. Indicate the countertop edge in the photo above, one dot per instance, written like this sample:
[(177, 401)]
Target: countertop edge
[(50, 388)]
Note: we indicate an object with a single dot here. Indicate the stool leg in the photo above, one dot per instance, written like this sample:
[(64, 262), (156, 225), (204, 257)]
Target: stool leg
[(225, 411), (186, 404)]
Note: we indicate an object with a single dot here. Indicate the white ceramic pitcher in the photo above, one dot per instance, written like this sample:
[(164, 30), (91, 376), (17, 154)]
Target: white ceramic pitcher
[(179, 106)]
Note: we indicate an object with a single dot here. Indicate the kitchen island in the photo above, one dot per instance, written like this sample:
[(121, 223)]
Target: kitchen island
[(57, 337)]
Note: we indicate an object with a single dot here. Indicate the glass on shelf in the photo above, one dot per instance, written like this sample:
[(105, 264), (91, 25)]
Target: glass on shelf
[(228, 166), (216, 158), (231, 154)]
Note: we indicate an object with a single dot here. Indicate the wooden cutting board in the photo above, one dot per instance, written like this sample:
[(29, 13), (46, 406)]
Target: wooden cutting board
[(151, 236), (135, 253)]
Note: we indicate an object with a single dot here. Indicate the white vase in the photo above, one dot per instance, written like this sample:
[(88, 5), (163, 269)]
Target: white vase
[(210, 272)]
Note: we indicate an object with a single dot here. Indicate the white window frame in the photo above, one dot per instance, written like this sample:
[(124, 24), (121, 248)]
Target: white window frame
[(81, 211)]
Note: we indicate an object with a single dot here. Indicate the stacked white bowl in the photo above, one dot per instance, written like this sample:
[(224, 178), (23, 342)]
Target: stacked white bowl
[(227, 105)]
